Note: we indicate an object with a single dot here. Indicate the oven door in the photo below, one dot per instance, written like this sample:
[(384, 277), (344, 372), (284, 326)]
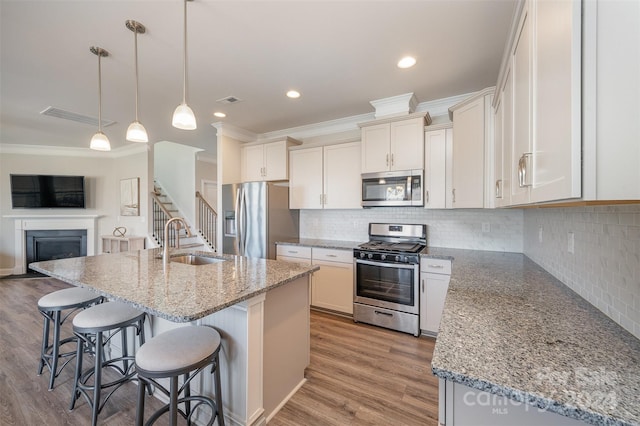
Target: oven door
[(386, 285)]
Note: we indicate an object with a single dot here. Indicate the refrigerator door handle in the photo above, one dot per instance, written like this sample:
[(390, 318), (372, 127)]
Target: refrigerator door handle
[(238, 219), (242, 234)]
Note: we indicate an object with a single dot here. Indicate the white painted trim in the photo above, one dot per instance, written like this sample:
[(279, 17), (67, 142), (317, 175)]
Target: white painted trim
[(6, 271), (27, 223), (318, 129), (440, 107), (471, 98), (64, 151), (395, 106), (206, 157), (234, 132)]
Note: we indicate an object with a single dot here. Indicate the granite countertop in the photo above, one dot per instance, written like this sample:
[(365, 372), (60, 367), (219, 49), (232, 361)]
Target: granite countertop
[(186, 292), (328, 244), (511, 328)]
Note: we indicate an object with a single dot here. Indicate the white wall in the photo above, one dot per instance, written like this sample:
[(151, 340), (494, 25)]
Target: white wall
[(102, 175), (605, 266), (445, 228)]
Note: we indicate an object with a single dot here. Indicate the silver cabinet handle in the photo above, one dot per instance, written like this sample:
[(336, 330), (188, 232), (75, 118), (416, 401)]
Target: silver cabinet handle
[(520, 172), (331, 255), (499, 188), (453, 192), (321, 199), (435, 266), (324, 199), (292, 251), (427, 196), (392, 159), (423, 286), (523, 175), (387, 160)]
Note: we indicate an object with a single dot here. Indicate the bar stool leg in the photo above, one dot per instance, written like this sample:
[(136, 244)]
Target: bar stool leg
[(218, 385), (140, 410), (97, 381), (56, 348), (76, 392), (45, 340), (173, 401)]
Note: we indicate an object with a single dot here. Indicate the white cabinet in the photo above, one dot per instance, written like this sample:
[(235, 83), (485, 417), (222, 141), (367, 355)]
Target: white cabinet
[(332, 285), (434, 283), (438, 145), (393, 145), (325, 177), (472, 126), (540, 98), (266, 162), (111, 244)]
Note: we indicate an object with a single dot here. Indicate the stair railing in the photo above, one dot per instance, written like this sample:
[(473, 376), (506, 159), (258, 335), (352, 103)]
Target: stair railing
[(206, 221), (160, 217)]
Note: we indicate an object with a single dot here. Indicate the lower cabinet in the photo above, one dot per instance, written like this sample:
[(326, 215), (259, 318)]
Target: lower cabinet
[(111, 244), (332, 285), (460, 405), (434, 283)]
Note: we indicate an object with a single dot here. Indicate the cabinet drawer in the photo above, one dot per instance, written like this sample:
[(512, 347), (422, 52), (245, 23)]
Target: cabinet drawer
[(435, 266), (294, 251), (332, 255)]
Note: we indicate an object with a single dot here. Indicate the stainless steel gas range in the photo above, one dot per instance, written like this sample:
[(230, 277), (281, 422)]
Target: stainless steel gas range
[(386, 279)]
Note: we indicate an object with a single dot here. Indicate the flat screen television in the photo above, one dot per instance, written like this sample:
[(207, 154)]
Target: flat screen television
[(47, 191)]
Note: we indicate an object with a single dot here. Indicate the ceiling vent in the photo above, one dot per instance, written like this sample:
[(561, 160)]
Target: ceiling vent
[(74, 116), (229, 100)]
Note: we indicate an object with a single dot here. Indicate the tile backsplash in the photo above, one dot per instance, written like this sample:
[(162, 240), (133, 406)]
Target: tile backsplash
[(604, 267), (445, 228)]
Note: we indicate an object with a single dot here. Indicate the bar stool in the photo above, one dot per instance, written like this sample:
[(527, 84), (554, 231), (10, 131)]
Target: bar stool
[(94, 328), (51, 306), (183, 351)]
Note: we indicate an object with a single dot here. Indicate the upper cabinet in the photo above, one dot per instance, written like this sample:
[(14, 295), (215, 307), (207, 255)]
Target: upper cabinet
[(438, 145), (324, 177), (393, 144), (472, 129), (266, 162), (538, 107)]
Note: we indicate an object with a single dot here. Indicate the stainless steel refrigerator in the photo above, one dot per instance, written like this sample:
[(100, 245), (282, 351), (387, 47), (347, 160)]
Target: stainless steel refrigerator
[(255, 216)]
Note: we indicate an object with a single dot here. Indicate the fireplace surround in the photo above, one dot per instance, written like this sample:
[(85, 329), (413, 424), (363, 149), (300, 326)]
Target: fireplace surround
[(24, 223)]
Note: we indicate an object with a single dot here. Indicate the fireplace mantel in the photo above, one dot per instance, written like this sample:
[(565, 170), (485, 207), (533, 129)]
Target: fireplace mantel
[(27, 222)]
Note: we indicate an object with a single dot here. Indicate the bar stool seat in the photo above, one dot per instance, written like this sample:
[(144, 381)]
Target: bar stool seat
[(183, 351), (51, 306), (94, 328)]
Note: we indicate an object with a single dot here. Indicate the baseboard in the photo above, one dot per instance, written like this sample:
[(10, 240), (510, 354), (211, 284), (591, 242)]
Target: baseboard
[(6, 271)]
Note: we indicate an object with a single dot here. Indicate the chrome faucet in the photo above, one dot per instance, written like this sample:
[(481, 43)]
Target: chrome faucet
[(165, 248)]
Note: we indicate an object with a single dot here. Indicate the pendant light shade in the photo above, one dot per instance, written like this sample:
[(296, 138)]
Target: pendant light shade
[(136, 131), (183, 117), (99, 141)]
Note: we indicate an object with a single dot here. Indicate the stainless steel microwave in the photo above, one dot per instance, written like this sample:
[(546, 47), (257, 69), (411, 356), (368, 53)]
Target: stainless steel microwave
[(387, 189)]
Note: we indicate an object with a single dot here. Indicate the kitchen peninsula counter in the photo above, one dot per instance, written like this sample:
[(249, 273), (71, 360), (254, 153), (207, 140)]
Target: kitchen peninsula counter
[(512, 330), (259, 306), (185, 292)]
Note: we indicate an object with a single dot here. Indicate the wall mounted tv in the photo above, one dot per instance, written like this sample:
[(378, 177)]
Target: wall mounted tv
[(47, 191)]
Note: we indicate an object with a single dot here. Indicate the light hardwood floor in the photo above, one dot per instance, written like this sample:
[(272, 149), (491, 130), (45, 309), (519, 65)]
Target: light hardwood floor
[(359, 374)]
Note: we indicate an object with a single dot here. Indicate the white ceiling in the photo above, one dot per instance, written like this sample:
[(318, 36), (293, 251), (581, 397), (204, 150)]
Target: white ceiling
[(339, 54)]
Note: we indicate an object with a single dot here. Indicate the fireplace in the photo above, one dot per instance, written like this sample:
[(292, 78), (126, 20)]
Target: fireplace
[(62, 222), (53, 244)]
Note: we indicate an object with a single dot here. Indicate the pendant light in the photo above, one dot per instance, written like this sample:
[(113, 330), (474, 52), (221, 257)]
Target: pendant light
[(99, 141), (136, 131), (183, 117)]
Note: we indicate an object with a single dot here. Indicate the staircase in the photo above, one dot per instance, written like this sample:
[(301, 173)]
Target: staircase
[(164, 209)]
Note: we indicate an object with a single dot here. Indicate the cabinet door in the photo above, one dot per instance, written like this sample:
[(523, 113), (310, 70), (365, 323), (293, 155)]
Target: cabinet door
[(305, 179), (375, 148), (434, 287), (275, 161), (407, 144), (556, 100), (521, 69), (498, 151), (253, 163), (507, 139), (435, 171), (468, 155), (332, 286), (342, 180)]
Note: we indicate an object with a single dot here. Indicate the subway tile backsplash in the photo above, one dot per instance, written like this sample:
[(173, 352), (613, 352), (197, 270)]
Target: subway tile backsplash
[(445, 228), (604, 267)]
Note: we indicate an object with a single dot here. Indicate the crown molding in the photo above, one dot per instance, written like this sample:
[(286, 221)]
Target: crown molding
[(318, 129), (226, 129), (395, 106), (63, 151)]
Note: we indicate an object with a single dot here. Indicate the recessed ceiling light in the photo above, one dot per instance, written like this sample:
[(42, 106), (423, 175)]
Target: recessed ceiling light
[(406, 62), (220, 114), (293, 94)]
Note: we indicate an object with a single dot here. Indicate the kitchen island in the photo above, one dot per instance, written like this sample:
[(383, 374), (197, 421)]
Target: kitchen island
[(259, 306), (516, 346)]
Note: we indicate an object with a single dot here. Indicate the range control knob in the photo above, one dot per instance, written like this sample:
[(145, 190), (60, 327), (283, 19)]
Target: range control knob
[(383, 256), (370, 255), (362, 255), (398, 258)]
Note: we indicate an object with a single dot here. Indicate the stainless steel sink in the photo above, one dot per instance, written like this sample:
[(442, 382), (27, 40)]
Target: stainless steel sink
[(194, 259)]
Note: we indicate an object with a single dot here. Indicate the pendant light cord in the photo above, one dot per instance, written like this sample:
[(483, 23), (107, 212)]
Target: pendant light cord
[(135, 49), (184, 57), (99, 92)]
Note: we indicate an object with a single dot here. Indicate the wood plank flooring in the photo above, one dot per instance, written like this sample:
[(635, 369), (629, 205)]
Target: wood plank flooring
[(359, 374)]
